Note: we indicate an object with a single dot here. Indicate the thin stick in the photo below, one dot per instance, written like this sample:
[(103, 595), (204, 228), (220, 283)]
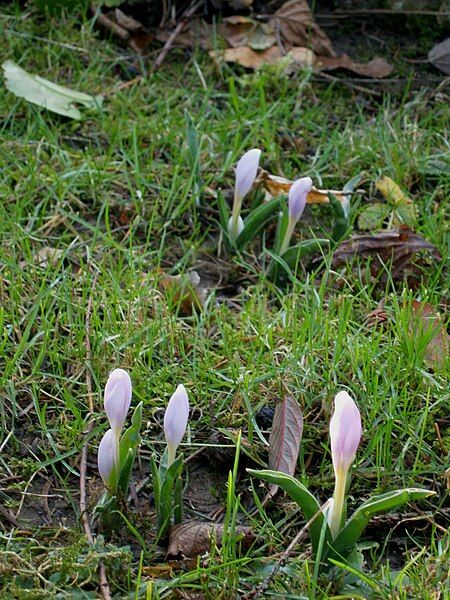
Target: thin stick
[(358, 88), (262, 588), (105, 22), (178, 29), (104, 586)]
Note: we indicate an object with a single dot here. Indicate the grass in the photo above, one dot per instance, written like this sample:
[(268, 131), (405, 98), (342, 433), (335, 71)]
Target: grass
[(113, 193)]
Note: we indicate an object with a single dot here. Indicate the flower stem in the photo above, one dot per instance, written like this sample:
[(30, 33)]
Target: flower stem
[(287, 237), (338, 502), (235, 218)]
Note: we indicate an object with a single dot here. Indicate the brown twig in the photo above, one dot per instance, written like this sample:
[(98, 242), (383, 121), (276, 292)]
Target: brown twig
[(178, 29), (358, 88), (104, 586), (258, 591), (108, 24)]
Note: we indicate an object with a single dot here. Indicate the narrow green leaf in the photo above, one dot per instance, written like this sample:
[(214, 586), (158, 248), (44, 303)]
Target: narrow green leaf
[(305, 500), (156, 483), (341, 223), (256, 220), (355, 526), (224, 212), (165, 507), (286, 265)]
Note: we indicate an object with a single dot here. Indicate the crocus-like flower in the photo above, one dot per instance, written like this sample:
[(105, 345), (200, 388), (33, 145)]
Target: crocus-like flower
[(117, 398), (106, 456), (246, 170), (345, 435), (296, 202), (175, 421), (117, 402)]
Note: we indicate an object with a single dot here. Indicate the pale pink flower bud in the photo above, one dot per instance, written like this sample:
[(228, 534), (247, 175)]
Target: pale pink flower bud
[(297, 197), (345, 432), (106, 456), (117, 398), (246, 170), (175, 421)]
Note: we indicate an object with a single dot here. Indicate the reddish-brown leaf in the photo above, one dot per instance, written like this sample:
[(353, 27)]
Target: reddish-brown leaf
[(406, 254), (297, 27), (376, 68), (285, 436)]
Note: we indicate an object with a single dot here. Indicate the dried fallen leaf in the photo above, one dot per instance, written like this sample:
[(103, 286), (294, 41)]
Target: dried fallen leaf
[(183, 291), (439, 56), (405, 253), (277, 186), (396, 197), (376, 68), (285, 437), (296, 26), (189, 540), (243, 31), (428, 322), (250, 59)]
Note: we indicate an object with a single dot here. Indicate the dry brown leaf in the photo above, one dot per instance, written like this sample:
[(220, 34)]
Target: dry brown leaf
[(250, 59), (243, 31), (280, 185), (405, 253), (297, 27), (428, 321), (439, 56), (189, 540), (184, 292), (376, 68)]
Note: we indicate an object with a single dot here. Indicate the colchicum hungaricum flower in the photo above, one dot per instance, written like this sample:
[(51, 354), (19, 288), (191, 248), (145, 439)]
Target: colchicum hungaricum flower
[(345, 435), (175, 421), (296, 204), (246, 170), (117, 402)]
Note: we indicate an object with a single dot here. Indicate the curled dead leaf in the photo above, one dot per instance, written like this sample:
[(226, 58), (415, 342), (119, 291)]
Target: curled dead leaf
[(242, 31), (406, 254), (189, 540), (277, 186), (296, 27)]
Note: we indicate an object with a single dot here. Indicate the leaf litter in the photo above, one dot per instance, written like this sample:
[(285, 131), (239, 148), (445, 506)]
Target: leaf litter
[(290, 38)]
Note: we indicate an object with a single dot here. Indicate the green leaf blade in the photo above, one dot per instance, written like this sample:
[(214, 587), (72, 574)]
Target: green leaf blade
[(355, 526), (303, 497)]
